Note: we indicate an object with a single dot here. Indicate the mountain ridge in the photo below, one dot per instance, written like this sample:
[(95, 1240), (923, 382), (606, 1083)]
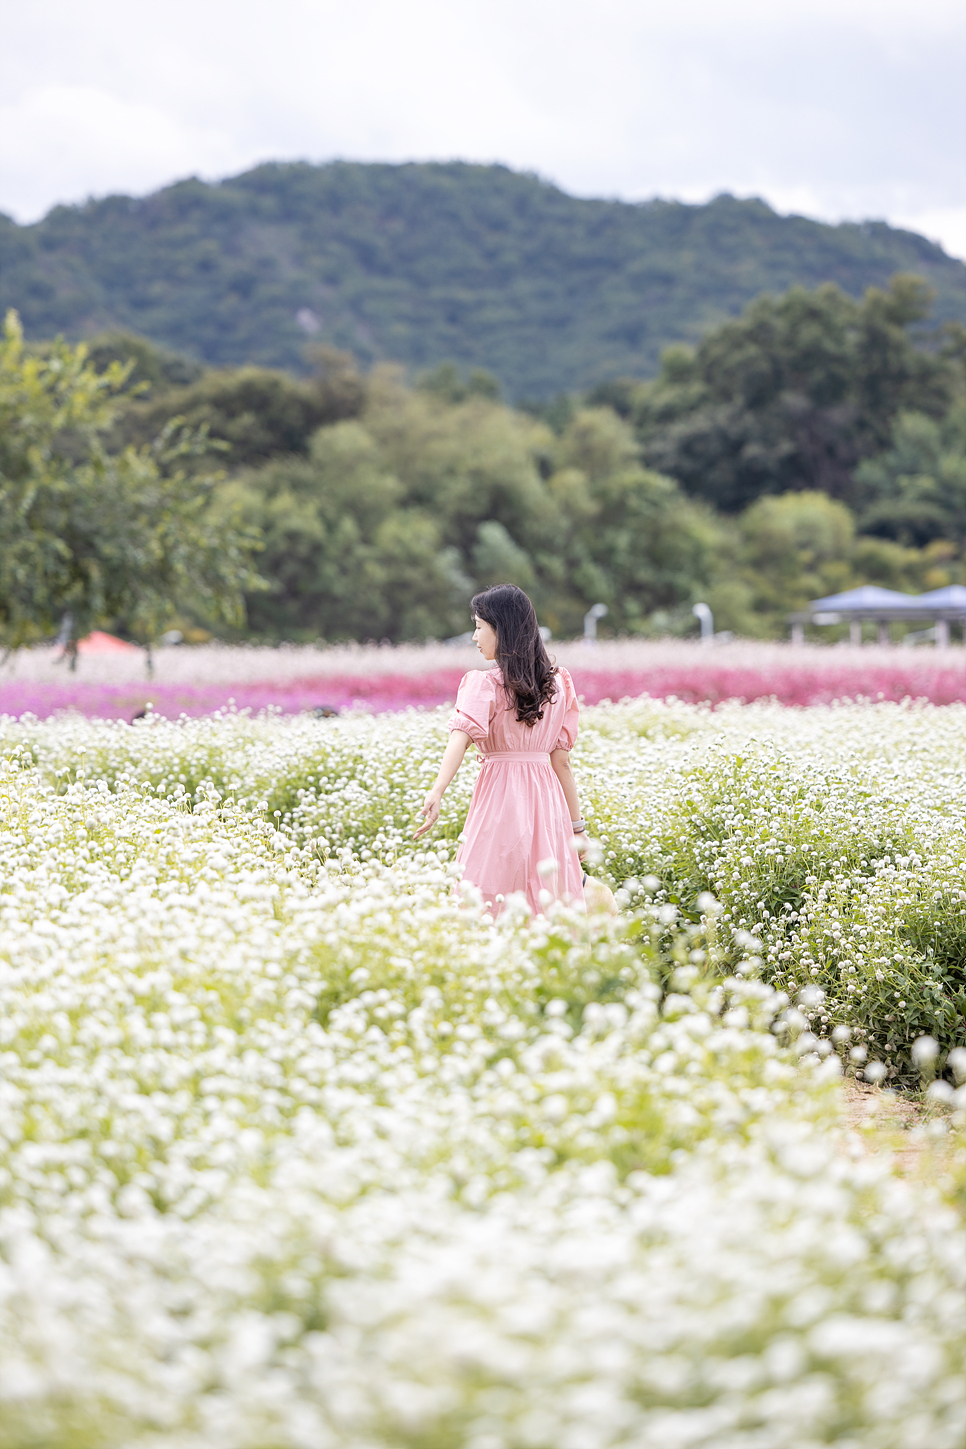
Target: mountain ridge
[(421, 262)]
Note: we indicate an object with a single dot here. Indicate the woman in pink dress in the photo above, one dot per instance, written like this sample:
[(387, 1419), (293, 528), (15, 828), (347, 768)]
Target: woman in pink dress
[(523, 831)]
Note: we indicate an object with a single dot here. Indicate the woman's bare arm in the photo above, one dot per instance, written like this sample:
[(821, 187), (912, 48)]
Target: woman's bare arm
[(459, 742), (560, 761)]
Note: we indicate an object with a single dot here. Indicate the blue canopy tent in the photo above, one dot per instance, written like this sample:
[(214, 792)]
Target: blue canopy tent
[(950, 606), (951, 598), (882, 607)]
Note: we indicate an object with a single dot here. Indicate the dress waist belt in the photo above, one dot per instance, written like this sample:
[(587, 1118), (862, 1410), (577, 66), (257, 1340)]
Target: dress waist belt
[(527, 757)]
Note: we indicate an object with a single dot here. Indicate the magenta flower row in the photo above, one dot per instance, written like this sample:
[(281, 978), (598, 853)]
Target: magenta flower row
[(799, 683)]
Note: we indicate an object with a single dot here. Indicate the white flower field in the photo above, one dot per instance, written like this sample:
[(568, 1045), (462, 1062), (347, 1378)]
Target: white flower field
[(300, 1150)]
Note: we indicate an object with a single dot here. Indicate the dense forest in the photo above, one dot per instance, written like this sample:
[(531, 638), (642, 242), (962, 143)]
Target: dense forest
[(811, 444), (419, 263)]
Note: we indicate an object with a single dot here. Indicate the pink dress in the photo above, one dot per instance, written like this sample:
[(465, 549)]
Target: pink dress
[(518, 816)]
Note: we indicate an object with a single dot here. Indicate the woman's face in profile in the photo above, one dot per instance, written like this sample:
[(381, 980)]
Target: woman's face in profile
[(484, 637)]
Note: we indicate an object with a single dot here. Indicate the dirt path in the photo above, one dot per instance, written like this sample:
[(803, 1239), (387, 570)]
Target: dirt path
[(890, 1122)]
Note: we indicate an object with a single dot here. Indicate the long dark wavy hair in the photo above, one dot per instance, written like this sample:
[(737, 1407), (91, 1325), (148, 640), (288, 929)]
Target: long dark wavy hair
[(528, 675)]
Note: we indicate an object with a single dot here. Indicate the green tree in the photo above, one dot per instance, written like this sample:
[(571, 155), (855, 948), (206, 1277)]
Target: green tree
[(803, 546), (463, 462), (256, 412), (793, 394), (497, 559), (98, 539), (149, 370), (446, 381), (627, 536), (795, 548), (394, 519), (915, 491), (345, 559)]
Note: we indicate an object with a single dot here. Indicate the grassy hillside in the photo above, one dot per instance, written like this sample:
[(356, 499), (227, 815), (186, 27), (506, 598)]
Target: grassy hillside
[(424, 262)]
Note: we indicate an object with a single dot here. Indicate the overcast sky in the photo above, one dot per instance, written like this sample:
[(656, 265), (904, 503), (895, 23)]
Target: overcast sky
[(839, 109)]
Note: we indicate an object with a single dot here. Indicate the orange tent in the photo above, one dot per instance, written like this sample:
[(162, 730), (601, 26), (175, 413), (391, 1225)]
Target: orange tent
[(98, 642)]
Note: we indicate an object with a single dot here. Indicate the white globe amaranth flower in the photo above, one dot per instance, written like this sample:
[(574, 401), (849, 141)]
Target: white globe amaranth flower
[(300, 1147)]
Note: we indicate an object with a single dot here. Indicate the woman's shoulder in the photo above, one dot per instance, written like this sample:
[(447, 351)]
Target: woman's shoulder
[(475, 704), (480, 683), (565, 681)]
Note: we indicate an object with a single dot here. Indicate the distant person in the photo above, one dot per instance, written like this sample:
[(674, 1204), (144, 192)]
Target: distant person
[(524, 833)]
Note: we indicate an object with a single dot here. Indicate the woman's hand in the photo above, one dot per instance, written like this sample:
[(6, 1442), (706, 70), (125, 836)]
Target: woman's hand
[(452, 759), (429, 812), (581, 844)]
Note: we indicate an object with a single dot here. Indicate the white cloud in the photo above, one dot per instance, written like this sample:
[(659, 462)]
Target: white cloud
[(944, 224), (59, 136), (855, 106)]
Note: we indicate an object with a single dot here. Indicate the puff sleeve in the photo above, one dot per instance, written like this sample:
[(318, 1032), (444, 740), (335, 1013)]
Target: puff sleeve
[(568, 725), (475, 703)]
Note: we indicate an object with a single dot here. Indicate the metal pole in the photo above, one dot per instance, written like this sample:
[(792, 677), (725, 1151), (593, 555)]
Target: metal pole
[(595, 612), (703, 612)]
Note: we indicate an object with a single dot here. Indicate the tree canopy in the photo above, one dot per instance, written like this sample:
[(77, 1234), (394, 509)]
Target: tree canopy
[(915, 491), (814, 443), (791, 395), (395, 518), (92, 537)]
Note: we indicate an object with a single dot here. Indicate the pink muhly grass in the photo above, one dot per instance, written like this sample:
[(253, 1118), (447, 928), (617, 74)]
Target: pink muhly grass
[(294, 678)]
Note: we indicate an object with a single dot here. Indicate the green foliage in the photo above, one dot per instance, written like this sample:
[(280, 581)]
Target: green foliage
[(496, 557), (794, 394), (255, 412), (395, 518), (94, 538), (804, 546), (488, 495), (627, 537), (151, 370), (383, 507), (829, 835), (345, 562), (796, 548), (915, 491), (419, 263), (447, 382)]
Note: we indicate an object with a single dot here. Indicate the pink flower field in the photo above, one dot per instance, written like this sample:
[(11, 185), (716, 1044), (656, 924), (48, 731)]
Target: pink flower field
[(198, 681)]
